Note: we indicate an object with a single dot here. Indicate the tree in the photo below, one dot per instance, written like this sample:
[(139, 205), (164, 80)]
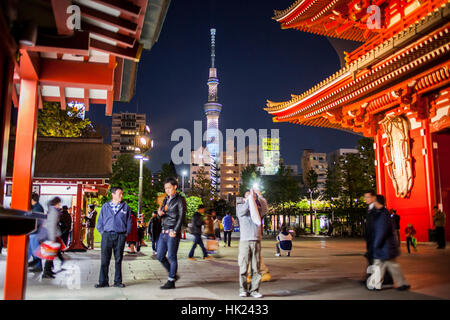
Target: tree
[(310, 180), (249, 176), (192, 205), (126, 175), (167, 171), (202, 187), (54, 122)]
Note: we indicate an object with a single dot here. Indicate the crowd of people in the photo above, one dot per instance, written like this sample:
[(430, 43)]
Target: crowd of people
[(119, 225)]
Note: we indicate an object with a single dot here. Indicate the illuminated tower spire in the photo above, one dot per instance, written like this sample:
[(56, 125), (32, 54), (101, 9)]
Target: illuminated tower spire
[(212, 111)]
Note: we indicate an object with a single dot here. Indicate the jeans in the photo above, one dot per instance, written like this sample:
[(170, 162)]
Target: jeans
[(227, 235), (440, 236), (32, 247), (111, 242), (408, 242), (198, 240), (249, 256), (168, 245)]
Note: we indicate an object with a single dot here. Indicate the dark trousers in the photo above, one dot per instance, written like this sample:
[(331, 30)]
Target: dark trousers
[(65, 238), (1, 243), (217, 233), (155, 239), (198, 241), (227, 235), (168, 245), (111, 242), (408, 243), (440, 236)]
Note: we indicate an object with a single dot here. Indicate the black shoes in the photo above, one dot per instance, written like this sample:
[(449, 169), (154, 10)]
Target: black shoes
[(48, 276), (169, 285), (98, 285), (35, 269), (404, 287), (119, 285)]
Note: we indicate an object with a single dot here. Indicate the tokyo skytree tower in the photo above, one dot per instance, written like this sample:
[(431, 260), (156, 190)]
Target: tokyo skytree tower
[(212, 111)]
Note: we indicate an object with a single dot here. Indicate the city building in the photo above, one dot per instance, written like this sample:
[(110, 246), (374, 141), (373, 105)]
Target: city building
[(333, 157), (125, 131), (393, 88), (270, 149), (316, 161), (212, 111)]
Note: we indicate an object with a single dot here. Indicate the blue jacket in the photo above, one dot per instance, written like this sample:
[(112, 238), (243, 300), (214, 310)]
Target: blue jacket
[(384, 238), (227, 222), (119, 222)]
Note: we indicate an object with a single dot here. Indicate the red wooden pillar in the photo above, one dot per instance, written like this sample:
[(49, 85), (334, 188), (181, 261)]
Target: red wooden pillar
[(16, 261), (381, 188), (427, 152), (77, 244)]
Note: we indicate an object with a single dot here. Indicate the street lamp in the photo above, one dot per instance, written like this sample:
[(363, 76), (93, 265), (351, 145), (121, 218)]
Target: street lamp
[(183, 173), (141, 180), (310, 209)]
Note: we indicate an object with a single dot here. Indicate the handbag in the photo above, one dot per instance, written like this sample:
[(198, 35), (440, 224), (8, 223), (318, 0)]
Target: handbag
[(48, 250)]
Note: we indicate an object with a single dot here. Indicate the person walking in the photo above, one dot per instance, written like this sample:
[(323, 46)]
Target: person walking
[(154, 230), (209, 225), (227, 222), (410, 232), (196, 231), (439, 223), (370, 197), (396, 219), (216, 223), (114, 224), (132, 237), (384, 246), (172, 213), (65, 224), (35, 265), (250, 242), (52, 232), (91, 218)]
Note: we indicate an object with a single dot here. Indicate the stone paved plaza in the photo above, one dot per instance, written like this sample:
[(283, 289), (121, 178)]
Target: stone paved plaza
[(319, 268)]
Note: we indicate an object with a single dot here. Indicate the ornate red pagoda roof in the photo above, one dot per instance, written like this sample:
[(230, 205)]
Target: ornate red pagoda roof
[(355, 89)]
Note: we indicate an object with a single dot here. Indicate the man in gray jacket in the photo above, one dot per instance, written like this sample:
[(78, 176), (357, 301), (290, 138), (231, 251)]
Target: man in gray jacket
[(250, 241)]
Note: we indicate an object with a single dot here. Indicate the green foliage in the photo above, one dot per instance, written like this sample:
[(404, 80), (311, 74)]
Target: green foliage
[(54, 122), (167, 171), (283, 187), (192, 205), (221, 207), (126, 175), (249, 176), (310, 180), (202, 188)]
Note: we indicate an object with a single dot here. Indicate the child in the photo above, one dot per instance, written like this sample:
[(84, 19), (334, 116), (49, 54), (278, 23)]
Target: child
[(410, 239)]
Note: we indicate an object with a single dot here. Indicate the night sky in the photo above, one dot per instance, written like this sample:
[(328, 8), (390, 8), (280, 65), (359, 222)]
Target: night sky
[(256, 60)]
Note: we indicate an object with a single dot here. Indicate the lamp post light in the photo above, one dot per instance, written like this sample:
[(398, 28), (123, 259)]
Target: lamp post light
[(310, 209), (183, 173), (141, 180)]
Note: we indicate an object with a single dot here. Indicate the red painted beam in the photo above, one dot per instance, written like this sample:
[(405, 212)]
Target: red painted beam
[(77, 243), (62, 97), (126, 53), (29, 65), (77, 44), (60, 14), (76, 74), (86, 99), (15, 97), (109, 103), (124, 6), (16, 261), (124, 40), (122, 24), (40, 103)]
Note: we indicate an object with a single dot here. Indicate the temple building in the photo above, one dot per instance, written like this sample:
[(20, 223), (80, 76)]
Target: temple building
[(80, 51), (394, 88)]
